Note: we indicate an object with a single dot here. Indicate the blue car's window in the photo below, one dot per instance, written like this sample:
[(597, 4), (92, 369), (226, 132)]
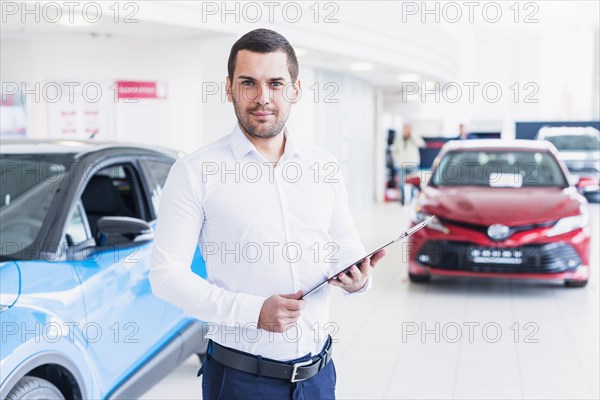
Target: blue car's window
[(499, 169), (76, 227), (28, 185), (158, 171), (113, 192)]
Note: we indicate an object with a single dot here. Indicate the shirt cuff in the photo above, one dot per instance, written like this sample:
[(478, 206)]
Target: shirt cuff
[(366, 287), (249, 309)]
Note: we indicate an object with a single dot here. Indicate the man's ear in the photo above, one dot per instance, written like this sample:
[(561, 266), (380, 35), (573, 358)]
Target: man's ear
[(229, 89), (296, 93)]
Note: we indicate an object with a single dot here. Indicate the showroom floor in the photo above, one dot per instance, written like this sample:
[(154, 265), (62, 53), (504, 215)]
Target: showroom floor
[(452, 338)]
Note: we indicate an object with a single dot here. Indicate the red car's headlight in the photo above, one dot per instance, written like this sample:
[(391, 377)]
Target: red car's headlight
[(419, 216), (569, 224)]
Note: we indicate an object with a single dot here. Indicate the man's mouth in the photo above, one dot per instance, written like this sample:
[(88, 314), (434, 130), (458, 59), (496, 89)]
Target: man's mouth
[(261, 114)]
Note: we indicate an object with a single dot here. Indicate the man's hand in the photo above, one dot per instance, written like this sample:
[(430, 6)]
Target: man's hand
[(280, 311), (359, 275)]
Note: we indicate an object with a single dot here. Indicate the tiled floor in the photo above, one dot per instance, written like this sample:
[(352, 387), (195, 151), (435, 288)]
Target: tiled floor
[(456, 339)]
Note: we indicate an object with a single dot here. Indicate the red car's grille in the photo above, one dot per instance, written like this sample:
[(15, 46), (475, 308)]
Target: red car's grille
[(484, 228), (462, 256)]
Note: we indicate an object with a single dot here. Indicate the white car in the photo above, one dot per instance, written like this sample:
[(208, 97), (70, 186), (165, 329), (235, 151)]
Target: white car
[(579, 149)]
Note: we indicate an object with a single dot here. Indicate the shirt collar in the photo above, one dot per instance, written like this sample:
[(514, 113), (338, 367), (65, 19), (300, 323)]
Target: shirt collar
[(241, 145)]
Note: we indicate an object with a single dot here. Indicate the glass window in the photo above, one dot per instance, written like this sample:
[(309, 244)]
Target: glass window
[(29, 184), (113, 192), (76, 228), (158, 171), (575, 142), (496, 168)]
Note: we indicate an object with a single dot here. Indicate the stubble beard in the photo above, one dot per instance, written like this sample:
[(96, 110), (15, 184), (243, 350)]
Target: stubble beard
[(259, 130)]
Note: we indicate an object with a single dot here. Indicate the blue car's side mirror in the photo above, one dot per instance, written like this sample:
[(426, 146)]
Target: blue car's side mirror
[(123, 230)]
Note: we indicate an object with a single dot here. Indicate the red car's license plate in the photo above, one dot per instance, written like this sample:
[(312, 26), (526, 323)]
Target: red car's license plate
[(481, 255)]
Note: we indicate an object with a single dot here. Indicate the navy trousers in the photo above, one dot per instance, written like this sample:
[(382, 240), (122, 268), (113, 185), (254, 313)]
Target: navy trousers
[(221, 382)]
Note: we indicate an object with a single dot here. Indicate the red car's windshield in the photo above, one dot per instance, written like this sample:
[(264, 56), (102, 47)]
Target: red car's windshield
[(493, 168), (575, 142)]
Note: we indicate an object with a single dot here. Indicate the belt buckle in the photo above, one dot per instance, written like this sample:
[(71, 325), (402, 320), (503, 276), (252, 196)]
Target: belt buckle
[(295, 370)]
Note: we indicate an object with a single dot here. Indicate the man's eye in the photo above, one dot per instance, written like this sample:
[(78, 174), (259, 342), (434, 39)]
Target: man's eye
[(247, 83), (277, 84)]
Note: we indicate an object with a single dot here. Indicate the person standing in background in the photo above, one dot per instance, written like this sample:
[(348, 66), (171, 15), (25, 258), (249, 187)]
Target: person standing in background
[(462, 132), (390, 163), (408, 158)]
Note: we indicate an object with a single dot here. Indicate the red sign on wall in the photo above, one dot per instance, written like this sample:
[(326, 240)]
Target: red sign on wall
[(140, 90)]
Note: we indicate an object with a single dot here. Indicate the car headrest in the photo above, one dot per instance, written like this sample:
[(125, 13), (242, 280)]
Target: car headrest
[(101, 197)]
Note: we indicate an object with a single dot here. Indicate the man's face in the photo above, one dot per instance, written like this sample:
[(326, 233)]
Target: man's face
[(262, 92)]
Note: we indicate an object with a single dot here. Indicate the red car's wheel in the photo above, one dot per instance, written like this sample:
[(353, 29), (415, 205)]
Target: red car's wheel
[(416, 278), (572, 283)]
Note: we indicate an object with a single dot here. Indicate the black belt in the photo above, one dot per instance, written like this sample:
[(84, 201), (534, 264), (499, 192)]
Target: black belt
[(293, 372)]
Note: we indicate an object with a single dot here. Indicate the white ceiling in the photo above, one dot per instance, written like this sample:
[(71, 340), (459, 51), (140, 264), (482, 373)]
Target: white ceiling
[(372, 32)]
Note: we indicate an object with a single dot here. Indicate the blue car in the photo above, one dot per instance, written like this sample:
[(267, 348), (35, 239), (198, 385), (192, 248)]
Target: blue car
[(78, 318)]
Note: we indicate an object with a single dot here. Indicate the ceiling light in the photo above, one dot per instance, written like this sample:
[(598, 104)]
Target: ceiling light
[(409, 77), (71, 143), (361, 66)]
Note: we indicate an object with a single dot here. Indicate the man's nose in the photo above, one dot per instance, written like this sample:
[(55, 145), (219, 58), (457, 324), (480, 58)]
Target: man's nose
[(264, 94)]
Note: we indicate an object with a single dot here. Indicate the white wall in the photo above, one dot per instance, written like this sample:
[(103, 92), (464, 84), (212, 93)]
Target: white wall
[(546, 70), (345, 125), (194, 117), (105, 60)]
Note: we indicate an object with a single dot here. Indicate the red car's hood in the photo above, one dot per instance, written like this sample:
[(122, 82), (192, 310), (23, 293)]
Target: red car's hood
[(486, 206)]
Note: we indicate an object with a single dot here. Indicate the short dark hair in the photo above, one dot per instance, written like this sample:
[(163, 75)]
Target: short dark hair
[(264, 41)]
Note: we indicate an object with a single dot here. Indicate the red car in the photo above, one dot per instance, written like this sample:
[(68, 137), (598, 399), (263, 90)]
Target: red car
[(503, 209)]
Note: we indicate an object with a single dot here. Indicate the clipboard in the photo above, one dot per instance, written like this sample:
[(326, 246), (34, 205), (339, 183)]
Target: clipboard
[(406, 234)]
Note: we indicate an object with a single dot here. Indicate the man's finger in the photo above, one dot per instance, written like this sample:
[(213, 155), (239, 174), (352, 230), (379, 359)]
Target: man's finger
[(335, 282), (344, 278), (364, 266), (378, 256), (295, 296), (289, 314), (355, 272), (294, 305)]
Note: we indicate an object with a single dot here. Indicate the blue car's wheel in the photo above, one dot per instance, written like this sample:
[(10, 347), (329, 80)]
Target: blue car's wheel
[(34, 388)]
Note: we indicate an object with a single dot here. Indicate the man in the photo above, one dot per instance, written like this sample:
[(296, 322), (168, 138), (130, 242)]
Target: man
[(462, 132), (271, 218), (408, 158)]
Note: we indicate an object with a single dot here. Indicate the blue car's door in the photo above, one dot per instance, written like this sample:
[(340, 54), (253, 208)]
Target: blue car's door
[(123, 326), (125, 321)]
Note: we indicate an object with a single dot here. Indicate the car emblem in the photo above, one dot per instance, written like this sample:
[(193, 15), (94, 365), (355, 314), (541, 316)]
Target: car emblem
[(498, 231)]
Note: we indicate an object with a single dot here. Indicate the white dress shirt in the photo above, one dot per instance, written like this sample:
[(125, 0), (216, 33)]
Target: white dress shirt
[(262, 230)]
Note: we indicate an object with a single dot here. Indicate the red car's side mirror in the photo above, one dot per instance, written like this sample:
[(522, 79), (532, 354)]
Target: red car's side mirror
[(413, 180)]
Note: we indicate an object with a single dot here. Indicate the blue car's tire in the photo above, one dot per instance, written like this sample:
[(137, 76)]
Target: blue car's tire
[(34, 388)]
